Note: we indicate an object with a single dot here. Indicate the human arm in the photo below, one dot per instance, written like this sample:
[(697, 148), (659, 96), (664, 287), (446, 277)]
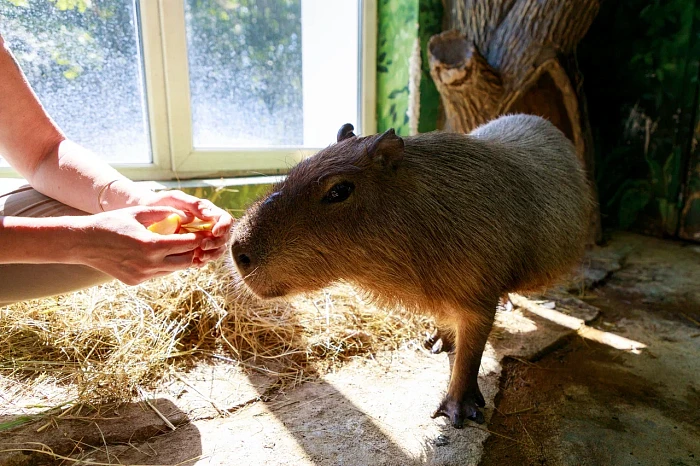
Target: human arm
[(113, 242), (63, 170)]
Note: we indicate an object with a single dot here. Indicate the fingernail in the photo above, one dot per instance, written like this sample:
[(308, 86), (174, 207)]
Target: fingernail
[(208, 212), (206, 244)]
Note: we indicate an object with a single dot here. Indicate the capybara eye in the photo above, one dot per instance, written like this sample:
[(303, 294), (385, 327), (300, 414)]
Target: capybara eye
[(339, 192)]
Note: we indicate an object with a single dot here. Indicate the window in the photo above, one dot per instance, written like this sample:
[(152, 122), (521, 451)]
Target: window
[(245, 69), (85, 66), (198, 88)]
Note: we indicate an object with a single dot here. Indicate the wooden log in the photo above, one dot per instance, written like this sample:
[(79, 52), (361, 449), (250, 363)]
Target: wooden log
[(515, 56)]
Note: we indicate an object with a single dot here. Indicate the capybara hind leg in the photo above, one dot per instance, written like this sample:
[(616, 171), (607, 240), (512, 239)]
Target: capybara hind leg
[(440, 341), (464, 398)]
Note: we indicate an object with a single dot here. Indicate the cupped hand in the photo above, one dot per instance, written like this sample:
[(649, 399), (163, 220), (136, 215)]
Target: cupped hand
[(119, 244), (191, 206)]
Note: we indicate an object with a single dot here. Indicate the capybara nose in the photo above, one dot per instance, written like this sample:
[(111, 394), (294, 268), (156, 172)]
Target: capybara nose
[(243, 257)]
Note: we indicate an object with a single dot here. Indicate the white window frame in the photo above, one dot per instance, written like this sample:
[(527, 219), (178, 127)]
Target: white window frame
[(164, 49)]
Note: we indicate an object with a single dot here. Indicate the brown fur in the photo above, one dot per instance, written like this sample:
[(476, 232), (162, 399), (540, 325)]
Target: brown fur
[(438, 223)]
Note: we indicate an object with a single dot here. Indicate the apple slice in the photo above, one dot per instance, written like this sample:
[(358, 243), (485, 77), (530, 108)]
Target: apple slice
[(197, 225), (168, 226)]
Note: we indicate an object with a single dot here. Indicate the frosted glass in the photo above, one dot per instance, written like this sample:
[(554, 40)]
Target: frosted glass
[(83, 60), (266, 73)]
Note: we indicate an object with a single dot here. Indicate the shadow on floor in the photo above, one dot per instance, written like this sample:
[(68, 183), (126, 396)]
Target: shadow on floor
[(104, 434)]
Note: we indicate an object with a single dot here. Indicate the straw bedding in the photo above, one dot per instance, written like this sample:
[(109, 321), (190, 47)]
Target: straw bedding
[(104, 343)]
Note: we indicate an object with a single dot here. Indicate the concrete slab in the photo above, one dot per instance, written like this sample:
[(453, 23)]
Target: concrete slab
[(368, 412), (373, 411), (588, 403)]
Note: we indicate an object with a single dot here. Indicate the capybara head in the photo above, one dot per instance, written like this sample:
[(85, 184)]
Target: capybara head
[(312, 228)]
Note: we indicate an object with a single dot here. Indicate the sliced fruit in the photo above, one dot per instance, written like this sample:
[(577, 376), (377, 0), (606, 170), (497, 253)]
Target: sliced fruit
[(198, 225), (168, 226)]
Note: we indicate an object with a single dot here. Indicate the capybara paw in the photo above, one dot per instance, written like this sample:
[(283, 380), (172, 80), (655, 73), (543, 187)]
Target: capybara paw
[(505, 304), (439, 342), (458, 411)]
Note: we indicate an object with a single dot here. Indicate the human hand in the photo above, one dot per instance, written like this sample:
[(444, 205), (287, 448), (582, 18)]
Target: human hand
[(119, 244), (189, 207)]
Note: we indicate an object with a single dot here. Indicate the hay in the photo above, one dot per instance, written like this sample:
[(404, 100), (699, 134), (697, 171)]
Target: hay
[(103, 344)]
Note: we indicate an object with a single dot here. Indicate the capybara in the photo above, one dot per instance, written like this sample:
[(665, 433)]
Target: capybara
[(437, 223)]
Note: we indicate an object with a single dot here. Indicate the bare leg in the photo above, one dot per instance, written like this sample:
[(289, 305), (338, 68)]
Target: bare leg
[(463, 397)]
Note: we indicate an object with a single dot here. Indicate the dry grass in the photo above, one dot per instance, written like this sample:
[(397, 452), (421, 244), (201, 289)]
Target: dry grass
[(104, 343)]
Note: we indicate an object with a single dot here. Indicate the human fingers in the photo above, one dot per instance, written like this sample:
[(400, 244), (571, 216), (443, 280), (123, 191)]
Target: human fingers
[(213, 242), (180, 243), (207, 256), (207, 210), (181, 261), (223, 225), (200, 208), (176, 199), (181, 200), (147, 216)]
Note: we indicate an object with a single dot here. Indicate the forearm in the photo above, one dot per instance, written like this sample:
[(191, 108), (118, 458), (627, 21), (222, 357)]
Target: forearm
[(34, 145), (73, 175), (25, 240), (115, 243)]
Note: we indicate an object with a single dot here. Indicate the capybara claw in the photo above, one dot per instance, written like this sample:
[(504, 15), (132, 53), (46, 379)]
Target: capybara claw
[(437, 347), (438, 342), (479, 398), (505, 303), (429, 340), (458, 411)]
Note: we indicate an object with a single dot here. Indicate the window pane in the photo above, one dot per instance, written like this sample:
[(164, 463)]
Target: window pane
[(331, 74), (83, 59), (245, 72), (268, 72)]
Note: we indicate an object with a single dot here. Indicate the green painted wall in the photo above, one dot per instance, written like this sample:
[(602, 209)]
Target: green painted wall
[(430, 14), (400, 25)]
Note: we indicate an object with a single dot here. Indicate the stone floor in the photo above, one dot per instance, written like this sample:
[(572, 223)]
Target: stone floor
[(603, 378)]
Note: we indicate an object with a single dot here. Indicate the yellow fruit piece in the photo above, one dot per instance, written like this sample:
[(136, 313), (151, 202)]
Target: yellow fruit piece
[(198, 225), (168, 226)]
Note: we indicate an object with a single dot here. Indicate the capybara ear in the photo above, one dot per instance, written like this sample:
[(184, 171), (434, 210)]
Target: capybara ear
[(387, 149), (345, 132)]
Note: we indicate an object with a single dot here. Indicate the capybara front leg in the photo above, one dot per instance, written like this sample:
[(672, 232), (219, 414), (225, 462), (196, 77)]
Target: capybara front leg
[(464, 398)]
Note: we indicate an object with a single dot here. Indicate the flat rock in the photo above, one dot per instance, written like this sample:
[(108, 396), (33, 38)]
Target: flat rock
[(215, 389), (369, 412)]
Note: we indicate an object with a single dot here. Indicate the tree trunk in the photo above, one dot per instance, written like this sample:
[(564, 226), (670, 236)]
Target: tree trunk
[(515, 56)]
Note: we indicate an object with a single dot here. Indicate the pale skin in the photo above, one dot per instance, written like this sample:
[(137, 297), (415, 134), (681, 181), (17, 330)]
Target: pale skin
[(115, 241)]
